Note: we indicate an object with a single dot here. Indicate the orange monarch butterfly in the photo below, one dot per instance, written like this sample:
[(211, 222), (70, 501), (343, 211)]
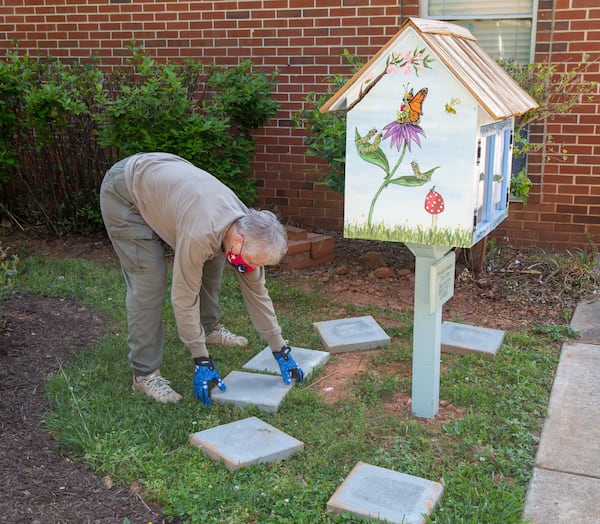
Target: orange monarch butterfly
[(412, 106)]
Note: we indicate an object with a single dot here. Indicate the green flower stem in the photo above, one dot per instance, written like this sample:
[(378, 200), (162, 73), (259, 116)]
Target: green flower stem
[(381, 188), (397, 165), (384, 184)]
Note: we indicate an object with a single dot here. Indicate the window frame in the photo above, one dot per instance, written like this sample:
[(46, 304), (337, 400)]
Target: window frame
[(424, 13), (494, 148)]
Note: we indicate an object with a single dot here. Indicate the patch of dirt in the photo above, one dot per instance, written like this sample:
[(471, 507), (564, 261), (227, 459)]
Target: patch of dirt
[(38, 335), (516, 287), (344, 370)]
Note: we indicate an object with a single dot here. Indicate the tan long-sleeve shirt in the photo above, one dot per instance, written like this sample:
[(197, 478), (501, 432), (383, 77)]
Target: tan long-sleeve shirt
[(191, 211)]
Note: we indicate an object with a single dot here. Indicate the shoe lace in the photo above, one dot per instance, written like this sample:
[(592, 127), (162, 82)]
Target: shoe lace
[(159, 384), (225, 334)]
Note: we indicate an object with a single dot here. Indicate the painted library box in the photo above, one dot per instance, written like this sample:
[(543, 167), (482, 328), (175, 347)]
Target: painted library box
[(429, 127)]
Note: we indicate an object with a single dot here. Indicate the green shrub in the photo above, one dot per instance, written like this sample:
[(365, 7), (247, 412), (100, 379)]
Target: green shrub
[(62, 125), (557, 88)]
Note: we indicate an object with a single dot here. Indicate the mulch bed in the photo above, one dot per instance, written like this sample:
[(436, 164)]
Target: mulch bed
[(37, 483)]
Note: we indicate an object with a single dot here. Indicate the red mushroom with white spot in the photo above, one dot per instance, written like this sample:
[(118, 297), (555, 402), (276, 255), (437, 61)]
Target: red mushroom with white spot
[(434, 205)]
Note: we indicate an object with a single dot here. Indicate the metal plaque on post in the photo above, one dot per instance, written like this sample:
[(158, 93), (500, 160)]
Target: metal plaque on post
[(441, 281)]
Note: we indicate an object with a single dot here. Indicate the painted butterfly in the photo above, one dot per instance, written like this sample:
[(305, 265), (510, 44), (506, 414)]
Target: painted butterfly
[(413, 105)]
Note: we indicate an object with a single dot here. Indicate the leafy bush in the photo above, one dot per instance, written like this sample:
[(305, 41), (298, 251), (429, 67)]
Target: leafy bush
[(557, 88), (62, 125)]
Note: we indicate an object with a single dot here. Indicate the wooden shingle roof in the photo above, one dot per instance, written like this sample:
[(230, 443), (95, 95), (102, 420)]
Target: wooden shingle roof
[(494, 89)]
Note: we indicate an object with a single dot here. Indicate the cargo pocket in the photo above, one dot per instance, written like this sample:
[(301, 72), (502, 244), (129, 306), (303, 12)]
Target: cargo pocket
[(137, 246)]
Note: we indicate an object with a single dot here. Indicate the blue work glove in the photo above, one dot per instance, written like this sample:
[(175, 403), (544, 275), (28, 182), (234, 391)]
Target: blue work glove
[(287, 365), (205, 373)]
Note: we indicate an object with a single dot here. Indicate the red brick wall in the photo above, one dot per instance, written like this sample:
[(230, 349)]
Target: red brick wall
[(564, 208), (303, 40)]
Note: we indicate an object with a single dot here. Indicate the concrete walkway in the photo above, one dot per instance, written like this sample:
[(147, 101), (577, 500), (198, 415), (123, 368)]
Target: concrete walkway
[(565, 487)]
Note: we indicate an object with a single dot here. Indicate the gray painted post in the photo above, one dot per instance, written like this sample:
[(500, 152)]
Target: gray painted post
[(427, 334)]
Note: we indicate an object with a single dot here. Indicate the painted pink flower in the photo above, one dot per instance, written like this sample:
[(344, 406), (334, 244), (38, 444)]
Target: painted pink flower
[(368, 77)]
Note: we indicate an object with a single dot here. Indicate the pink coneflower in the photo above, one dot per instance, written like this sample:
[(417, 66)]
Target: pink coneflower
[(403, 134)]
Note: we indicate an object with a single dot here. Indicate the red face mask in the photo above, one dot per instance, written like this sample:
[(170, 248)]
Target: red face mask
[(238, 262)]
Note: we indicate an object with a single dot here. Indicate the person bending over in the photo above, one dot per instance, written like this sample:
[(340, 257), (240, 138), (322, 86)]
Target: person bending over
[(150, 199)]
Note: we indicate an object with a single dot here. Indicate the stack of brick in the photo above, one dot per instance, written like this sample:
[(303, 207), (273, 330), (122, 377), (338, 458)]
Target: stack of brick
[(307, 249)]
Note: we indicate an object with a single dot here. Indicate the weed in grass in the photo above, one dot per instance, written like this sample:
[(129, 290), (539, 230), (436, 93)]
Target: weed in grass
[(372, 387), (393, 354), (556, 333)]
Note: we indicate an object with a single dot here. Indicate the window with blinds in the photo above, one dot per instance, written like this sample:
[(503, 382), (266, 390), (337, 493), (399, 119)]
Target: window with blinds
[(502, 27)]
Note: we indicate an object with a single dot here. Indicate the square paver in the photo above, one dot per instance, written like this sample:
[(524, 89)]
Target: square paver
[(252, 389), (245, 442), (463, 338), (307, 359), (374, 492), (351, 334)]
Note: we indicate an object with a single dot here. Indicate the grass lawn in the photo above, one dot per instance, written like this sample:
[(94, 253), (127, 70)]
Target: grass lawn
[(484, 457)]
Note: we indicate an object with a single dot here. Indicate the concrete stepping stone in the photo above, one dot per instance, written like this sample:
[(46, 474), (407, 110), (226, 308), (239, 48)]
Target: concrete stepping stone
[(351, 334), (266, 392), (397, 498), (307, 359), (463, 339), (245, 442)]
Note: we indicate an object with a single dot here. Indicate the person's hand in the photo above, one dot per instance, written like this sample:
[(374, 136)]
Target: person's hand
[(204, 374), (287, 365)]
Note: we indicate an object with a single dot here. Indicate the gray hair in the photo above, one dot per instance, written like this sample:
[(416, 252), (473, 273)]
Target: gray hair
[(263, 235)]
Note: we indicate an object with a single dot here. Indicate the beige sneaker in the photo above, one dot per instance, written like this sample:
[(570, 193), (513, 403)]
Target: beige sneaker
[(157, 387), (223, 336)]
